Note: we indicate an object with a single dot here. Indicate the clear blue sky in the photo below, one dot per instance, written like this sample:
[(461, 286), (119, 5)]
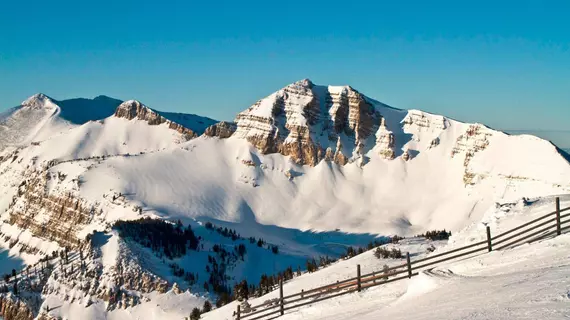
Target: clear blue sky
[(503, 63)]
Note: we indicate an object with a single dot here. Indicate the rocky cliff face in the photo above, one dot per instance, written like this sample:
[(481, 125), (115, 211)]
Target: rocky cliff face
[(52, 217), (81, 277), (418, 121), (385, 142), (12, 308), (475, 139), (221, 130), (310, 123), (86, 280), (133, 109)]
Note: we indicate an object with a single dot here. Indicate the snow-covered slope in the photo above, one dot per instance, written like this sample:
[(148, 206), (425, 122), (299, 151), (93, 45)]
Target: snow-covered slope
[(17, 124), (307, 158), (526, 282)]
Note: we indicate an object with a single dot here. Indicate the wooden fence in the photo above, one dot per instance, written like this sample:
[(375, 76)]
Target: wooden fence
[(551, 224)]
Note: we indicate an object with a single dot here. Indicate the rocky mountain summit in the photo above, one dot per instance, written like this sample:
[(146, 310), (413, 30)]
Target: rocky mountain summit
[(310, 123), (133, 109)]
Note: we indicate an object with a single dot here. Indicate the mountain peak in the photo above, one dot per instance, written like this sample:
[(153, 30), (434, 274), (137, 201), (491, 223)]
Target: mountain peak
[(131, 109), (103, 97), (134, 109), (38, 100), (311, 122), (307, 83)]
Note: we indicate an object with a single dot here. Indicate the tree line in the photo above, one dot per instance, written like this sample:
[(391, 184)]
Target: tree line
[(164, 238)]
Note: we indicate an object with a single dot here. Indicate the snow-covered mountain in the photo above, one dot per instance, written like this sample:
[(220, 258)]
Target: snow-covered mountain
[(309, 169)]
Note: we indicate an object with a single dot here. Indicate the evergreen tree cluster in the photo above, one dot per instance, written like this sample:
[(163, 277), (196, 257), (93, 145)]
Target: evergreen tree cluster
[(178, 271), (436, 235), (268, 283), (224, 232), (171, 240), (313, 266), (232, 234), (383, 253), (260, 242), (216, 268), (217, 280), (274, 249), (352, 252), (241, 250), (197, 313), (241, 291)]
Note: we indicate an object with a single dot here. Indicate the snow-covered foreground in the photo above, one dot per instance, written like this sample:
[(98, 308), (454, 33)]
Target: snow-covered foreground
[(528, 282), (531, 281)]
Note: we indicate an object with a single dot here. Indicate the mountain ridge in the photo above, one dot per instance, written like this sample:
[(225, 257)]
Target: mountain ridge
[(40, 117), (306, 172), (400, 147)]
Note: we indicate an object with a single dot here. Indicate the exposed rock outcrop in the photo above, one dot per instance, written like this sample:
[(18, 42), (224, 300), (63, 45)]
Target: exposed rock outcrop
[(475, 139), (221, 130), (434, 143), (133, 109), (385, 142), (12, 308), (424, 121), (406, 155), (48, 216)]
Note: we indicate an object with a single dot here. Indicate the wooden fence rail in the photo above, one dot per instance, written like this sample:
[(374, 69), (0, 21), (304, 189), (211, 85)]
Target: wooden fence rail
[(524, 233)]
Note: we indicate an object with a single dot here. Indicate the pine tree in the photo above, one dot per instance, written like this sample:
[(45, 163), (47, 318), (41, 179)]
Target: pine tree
[(207, 307), (223, 299), (195, 315), (241, 291)]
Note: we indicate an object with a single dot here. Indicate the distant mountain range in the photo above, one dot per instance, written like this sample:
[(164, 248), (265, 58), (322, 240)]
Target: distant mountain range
[(305, 172)]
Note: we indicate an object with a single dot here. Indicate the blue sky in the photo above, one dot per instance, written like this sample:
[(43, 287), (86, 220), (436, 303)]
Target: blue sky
[(502, 63)]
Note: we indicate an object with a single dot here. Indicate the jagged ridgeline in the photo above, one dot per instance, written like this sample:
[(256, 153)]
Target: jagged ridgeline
[(148, 204)]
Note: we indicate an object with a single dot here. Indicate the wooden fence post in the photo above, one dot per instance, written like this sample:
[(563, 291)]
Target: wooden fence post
[(281, 297), (409, 263), (489, 245), (238, 312), (558, 227), (358, 281)]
